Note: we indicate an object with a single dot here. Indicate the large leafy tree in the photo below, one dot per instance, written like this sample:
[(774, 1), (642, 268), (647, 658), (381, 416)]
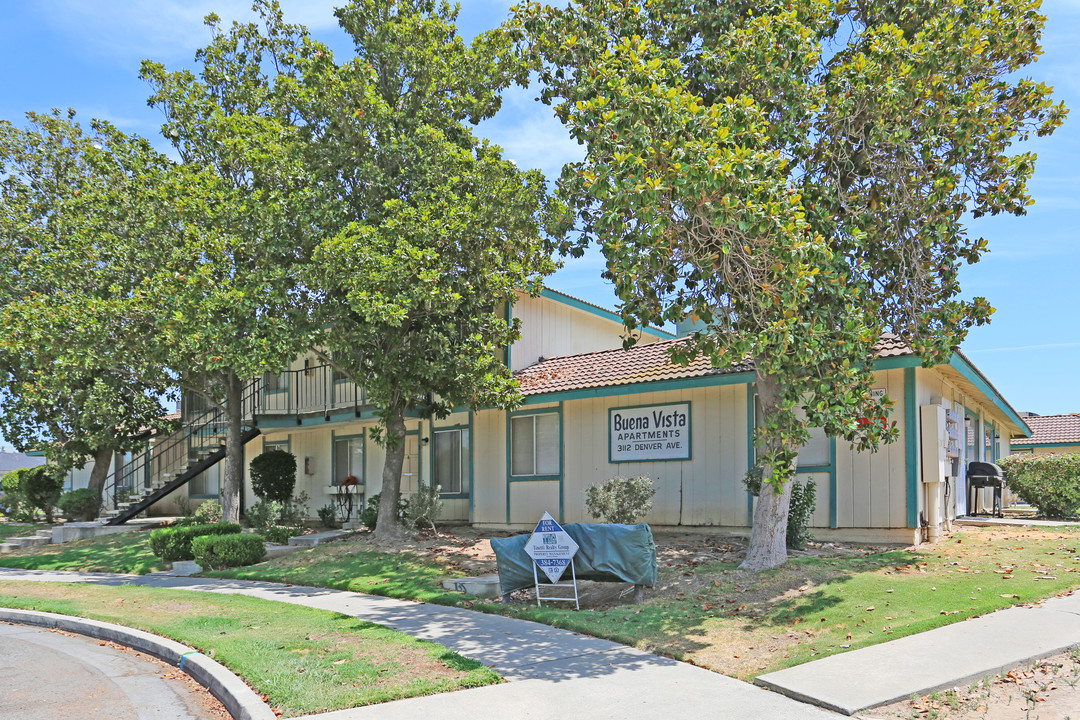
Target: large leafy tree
[(244, 215), (435, 229), (795, 173), (76, 381)]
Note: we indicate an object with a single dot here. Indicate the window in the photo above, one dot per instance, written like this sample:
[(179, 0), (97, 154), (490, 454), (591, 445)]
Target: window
[(206, 484), (817, 451), (348, 459), (534, 445), (451, 461), (274, 382)]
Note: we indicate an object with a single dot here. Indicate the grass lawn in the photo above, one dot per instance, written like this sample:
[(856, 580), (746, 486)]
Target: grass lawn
[(303, 660), (343, 567), (127, 552), (744, 624), (8, 530)]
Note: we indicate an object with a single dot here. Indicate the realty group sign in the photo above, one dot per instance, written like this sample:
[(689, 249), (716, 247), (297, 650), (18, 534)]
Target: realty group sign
[(551, 548), (654, 432)]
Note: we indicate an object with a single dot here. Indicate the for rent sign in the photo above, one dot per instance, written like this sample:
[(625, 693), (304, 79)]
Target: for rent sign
[(655, 432)]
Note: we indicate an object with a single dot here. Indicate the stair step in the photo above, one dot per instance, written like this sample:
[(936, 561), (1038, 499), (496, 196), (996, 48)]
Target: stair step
[(8, 547), (45, 534)]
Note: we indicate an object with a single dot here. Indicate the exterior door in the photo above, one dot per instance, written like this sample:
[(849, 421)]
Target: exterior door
[(410, 466)]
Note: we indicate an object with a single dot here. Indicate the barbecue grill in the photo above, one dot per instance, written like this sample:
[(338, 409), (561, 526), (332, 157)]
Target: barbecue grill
[(983, 475)]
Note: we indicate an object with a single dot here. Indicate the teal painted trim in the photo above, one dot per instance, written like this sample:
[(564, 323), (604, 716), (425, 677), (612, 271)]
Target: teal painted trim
[(454, 496), (834, 516), (810, 469), (601, 312), (287, 442), (35, 453), (972, 375), (334, 437), (689, 434), (510, 478), (290, 420), (1026, 445), (741, 378), (897, 362), (751, 453), (911, 431), (472, 464), (431, 456)]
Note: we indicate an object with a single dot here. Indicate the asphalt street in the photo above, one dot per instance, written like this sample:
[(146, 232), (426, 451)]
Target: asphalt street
[(46, 675)]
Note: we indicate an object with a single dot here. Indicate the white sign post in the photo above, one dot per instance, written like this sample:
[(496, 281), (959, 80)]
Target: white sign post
[(552, 550)]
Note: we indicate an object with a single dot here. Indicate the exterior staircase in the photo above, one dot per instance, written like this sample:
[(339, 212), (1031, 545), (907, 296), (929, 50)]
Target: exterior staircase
[(171, 462)]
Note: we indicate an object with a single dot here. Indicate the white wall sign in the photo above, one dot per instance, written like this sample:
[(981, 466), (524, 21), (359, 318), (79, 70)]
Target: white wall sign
[(654, 432), (550, 547)]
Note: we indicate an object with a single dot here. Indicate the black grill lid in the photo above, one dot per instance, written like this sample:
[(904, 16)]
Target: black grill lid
[(984, 469)]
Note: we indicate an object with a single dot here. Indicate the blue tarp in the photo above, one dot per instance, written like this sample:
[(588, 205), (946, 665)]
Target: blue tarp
[(607, 553)]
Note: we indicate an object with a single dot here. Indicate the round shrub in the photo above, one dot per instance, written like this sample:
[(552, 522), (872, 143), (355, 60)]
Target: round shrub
[(620, 500), (42, 488), (14, 502), (1049, 482), (174, 543), (81, 504), (273, 475), (207, 513), (225, 551)]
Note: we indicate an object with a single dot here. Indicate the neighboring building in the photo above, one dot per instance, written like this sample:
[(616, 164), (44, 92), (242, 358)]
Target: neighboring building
[(1050, 434), (593, 410), (16, 461)]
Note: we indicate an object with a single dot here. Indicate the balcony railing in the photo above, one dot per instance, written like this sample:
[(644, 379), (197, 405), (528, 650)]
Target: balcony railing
[(312, 390)]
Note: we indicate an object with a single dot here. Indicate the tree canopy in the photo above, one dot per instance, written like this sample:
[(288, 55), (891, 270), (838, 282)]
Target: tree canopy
[(795, 175)]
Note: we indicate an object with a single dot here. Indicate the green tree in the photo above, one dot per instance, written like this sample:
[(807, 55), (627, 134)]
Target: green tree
[(226, 280), (795, 174), (75, 380), (436, 229)]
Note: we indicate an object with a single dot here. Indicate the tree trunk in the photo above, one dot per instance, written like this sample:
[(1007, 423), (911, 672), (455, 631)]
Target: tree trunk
[(387, 526), (234, 450), (102, 461), (768, 535)]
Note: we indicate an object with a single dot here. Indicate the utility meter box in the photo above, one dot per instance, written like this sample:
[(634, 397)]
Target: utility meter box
[(940, 442)]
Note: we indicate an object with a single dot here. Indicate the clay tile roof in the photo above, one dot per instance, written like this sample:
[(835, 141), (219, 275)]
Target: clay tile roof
[(1052, 429), (641, 363)]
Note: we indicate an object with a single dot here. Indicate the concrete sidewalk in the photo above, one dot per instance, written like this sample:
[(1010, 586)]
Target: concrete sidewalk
[(949, 656), (552, 672), (557, 673)]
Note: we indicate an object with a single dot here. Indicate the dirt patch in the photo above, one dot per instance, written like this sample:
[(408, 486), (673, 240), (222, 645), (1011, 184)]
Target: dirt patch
[(1047, 690)]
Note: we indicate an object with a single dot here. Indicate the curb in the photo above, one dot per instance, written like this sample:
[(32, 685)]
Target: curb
[(240, 700)]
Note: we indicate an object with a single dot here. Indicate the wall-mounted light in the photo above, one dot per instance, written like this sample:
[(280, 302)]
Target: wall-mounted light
[(309, 466)]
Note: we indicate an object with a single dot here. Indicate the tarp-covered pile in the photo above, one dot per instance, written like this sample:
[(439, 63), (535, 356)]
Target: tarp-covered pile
[(608, 553)]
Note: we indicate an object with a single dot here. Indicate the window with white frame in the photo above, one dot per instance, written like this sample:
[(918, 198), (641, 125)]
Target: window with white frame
[(348, 459), (450, 469), (534, 445)]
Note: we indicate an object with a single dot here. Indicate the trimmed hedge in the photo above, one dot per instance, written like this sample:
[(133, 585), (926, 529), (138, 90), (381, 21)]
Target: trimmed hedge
[(174, 543), (218, 552), (81, 504), (1049, 482)]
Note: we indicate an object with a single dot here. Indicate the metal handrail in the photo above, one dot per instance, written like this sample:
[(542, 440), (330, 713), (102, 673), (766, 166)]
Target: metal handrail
[(311, 390)]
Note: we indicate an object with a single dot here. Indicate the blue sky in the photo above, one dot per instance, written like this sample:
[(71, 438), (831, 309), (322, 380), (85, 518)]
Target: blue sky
[(85, 54)]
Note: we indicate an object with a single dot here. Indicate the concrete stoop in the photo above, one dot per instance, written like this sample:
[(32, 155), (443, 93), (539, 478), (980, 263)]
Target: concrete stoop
[(316, 538)]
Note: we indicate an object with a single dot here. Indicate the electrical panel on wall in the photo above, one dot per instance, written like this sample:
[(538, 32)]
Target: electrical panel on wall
[(940, 442)]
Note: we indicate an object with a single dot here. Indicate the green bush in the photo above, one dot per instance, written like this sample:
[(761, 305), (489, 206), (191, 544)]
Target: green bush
[(174, 543), (42, 487), (1049, 482), (425, 506), (803, 502), (328, 516), (273, 475), (369, 516), (14, 501), (81, 504), (208, 512), (280, 534), (218, 552), (620, 500)]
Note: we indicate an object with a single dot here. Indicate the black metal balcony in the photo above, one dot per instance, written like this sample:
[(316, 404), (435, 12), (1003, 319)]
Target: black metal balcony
[(318, 390)]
